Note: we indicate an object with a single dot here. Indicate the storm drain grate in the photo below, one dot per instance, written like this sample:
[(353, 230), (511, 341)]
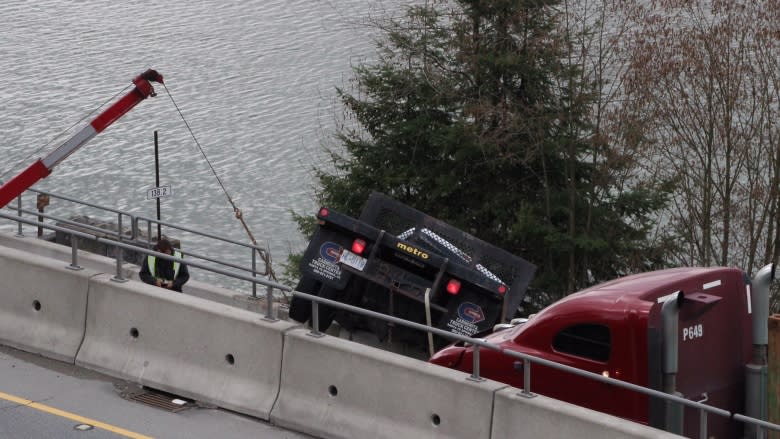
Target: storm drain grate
[(154, 398), (161, 401)]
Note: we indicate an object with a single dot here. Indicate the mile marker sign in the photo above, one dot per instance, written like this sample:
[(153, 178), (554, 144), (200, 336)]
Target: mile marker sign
[(159, 192)]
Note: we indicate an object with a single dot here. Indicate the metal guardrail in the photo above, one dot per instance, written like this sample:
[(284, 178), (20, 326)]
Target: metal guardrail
[(478, 344), (121, 246), (119, 213), (529, 359), (135, 234), (255, 250)]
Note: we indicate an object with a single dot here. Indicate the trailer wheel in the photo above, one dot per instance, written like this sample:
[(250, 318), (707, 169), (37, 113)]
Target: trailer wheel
[(300, 309), (351, 295), (327, 313)]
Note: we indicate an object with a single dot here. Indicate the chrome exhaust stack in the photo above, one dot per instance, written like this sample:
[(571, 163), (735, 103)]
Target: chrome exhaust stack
[(670, 311), (756, 371)]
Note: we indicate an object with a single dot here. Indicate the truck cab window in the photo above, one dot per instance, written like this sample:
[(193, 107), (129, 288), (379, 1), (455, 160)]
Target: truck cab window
[(586, 340)]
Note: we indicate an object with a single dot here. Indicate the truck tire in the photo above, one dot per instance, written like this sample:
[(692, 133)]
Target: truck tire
[(351, 295), (300, 309), (327, 313)]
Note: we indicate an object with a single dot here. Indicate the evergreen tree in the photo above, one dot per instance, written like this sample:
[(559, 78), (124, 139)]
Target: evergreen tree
[(471, 115)]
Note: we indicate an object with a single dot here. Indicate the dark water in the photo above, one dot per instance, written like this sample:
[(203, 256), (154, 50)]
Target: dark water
[(254, 78)]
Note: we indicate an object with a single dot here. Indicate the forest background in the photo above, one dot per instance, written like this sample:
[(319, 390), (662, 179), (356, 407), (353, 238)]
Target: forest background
[(593, 138)]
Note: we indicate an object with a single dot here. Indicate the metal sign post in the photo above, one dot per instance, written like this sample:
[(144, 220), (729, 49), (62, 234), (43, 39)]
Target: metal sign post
[(157, 183)]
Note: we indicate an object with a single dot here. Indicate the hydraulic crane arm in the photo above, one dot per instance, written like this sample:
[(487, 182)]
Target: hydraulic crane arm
[(43, 167)]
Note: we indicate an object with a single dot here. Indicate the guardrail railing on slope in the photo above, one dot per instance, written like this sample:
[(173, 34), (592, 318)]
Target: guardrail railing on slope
[(121, 246), (254, 250), (530, 359), (135, 234), (478, 344)]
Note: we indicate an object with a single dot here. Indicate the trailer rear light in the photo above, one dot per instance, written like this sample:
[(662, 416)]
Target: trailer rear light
[(358, 246), (324, 211), (502, 289), (453, 286)]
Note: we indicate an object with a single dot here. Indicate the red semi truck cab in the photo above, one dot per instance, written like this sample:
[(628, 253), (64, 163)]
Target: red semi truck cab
[(616, 329)]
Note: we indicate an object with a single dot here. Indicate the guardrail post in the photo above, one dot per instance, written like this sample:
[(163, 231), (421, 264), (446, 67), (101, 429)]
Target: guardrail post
[(527, 379), (475, 374), (315, 320), (74, 252), (42, 200), (269, 303), (254, 273), (119, 226), (133, 229), (118, 277), (119, 253), (19, 210), (702, 424)]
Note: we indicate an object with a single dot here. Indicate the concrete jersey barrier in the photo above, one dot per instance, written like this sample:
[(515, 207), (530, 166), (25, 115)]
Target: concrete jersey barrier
[(198, 349), (103, 264), (42, 304), (97, 263), (232, 358), (334, 388), (542, 417)]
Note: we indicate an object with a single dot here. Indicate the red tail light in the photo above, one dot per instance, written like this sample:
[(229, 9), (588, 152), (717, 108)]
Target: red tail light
[(502, 289), (358, 246), (324, 211), (453, 286)]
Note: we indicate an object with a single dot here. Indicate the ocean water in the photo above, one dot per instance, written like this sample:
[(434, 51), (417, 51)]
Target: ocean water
[(254, 79)]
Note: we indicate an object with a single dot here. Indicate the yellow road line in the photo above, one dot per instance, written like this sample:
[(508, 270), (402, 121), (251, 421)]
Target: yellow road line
[(71, 416)]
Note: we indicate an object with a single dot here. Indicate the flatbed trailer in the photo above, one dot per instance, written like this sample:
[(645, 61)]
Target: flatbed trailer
[(399, 261)]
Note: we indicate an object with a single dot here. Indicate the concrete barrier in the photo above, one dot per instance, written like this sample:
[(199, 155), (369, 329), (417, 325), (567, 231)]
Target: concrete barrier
[(31, 244), (42, 304), (229, 357), (103, 264), (334, 388), (198, 349), (542, 417)]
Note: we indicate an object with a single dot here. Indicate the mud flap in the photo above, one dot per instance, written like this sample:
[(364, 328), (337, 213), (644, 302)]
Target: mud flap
[(320, 259), (469, 313), (300, 309)]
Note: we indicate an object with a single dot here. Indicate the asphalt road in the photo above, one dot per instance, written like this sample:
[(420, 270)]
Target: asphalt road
[(42, 399)]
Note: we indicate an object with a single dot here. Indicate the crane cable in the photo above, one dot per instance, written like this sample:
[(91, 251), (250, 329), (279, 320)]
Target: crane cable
[(265, 255)]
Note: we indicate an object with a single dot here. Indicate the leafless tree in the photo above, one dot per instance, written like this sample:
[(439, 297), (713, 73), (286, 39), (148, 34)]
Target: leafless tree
[(597, 31), (703, 84)]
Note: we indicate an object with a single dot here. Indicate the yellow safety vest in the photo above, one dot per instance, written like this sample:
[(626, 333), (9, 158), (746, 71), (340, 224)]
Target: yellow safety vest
[(152, 262)]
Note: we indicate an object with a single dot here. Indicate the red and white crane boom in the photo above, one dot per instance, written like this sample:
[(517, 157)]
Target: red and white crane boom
[(43, 167)]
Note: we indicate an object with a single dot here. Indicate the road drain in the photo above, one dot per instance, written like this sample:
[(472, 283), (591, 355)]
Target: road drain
[(156, 398)]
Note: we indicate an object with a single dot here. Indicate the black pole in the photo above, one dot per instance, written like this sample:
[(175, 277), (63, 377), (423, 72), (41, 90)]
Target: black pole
[(157, 183)]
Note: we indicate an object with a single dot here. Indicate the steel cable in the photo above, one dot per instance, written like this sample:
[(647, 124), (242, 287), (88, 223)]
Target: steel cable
[(239, 215)]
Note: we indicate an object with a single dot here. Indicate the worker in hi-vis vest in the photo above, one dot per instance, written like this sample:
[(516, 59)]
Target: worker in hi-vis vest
[(164, 273)]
